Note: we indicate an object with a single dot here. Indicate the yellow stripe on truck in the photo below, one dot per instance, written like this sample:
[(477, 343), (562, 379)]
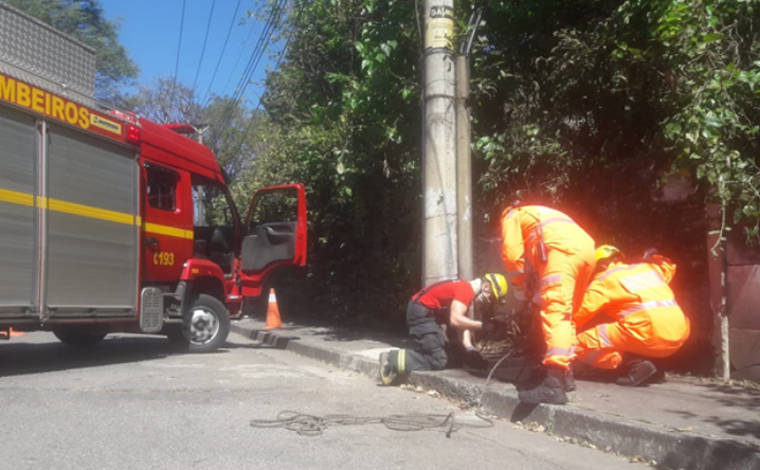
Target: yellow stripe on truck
[(24, 199), (86, 211), (15, 197), (170, 231)]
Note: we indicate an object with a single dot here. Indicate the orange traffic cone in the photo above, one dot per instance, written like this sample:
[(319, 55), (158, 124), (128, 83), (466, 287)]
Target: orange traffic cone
[(4, 335), (273, 312)]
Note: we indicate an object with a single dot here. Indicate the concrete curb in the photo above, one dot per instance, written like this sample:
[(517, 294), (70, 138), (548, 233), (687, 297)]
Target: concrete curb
[(670, 449)]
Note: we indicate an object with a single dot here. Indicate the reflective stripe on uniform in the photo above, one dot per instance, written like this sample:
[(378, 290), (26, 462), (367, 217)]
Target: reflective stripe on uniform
[(648, 306), (534, 233), (401, 366), (604, 335), (551, 280), (566, 352), (612, 271), (648, 279)]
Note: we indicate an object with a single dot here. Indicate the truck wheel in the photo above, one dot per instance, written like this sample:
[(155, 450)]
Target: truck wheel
[(206, 324), (79, 338)]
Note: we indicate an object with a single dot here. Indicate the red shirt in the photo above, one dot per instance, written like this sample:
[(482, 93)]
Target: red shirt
[(440, 295)]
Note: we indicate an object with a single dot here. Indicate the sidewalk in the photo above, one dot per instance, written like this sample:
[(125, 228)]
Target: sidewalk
[(684, 423)]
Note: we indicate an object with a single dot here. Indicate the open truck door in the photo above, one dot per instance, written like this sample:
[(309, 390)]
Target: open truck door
[(276, 235)]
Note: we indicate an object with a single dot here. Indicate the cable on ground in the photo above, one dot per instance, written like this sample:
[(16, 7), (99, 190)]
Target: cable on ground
[(312, 425)]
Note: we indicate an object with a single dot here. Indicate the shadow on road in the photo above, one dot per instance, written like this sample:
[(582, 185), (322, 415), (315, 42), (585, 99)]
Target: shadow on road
[(731, 396), (20, 357)]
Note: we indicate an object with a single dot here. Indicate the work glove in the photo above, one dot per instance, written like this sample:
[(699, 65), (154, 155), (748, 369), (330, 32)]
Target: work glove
[(493, 327)]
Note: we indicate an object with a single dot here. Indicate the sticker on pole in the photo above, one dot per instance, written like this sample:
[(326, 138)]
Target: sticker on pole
[(440, 28)]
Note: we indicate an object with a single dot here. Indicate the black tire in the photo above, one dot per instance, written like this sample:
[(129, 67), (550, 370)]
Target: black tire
[(205, 326), (78, 337)]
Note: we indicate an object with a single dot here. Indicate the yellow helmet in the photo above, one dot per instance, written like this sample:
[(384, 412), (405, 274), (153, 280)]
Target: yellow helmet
[(498, 286), (608, 251)]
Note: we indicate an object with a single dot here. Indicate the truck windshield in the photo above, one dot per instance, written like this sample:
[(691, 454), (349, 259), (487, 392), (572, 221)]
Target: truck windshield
[(214, 225), (211, 207)]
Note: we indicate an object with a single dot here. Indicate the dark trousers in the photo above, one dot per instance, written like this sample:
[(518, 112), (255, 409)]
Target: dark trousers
[(430, 342)]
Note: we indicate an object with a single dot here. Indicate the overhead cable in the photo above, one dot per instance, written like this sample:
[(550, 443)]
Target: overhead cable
[(221, 54), (203, 49), (179, 48), (258, 103), (260, 48)]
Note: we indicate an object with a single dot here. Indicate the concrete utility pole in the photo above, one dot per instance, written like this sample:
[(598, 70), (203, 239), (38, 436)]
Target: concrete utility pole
[(439, 156), (464, 170), (464, 157)]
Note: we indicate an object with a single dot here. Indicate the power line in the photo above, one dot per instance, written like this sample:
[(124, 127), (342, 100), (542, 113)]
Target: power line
[(221, 54), (203, 49), (179, 48), (253, 62), (259, 49), (240, 54), (277, 65)]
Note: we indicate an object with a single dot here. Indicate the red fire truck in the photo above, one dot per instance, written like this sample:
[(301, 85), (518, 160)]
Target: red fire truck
[(112, 223)]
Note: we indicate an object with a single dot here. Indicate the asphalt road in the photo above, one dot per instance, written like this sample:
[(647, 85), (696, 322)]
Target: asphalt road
[(132, 403)]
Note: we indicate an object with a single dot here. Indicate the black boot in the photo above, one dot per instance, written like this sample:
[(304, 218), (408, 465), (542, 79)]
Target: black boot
[(551, 390), (636, 373), (657, 378), (389, 367)]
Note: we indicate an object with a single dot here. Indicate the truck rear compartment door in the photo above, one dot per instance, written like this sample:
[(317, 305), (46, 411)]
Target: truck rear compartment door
[(276, 227), (68, 222), (90, 225), (19, 232)]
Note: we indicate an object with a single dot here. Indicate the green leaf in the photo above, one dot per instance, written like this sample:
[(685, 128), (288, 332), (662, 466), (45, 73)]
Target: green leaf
[(713, 121), (712, 37)]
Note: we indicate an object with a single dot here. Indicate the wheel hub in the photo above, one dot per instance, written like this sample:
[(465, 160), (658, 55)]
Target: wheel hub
[(203, 325)]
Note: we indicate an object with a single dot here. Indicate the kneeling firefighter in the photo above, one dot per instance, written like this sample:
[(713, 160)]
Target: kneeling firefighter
[(440, 303), (636, 316)]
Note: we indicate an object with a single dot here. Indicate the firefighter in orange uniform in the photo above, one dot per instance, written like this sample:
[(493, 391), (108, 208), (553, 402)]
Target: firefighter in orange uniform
[(643, 317), (549, 260)]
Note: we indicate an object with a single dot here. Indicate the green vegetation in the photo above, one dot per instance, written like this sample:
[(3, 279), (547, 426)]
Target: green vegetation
[(589, 105)]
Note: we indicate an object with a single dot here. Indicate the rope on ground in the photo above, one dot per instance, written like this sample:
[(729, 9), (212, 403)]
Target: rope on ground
[(479, 409), (312, 425)]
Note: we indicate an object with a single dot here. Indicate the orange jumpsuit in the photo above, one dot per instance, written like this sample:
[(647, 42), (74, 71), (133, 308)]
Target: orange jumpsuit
[(557, 284), (646, 317)]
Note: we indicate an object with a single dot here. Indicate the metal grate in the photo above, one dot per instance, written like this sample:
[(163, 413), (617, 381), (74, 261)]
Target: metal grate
[(152, 310), (35, 47)]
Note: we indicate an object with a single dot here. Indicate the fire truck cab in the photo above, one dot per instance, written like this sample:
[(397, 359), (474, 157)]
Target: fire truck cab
[(112, 223), (192, 232)]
